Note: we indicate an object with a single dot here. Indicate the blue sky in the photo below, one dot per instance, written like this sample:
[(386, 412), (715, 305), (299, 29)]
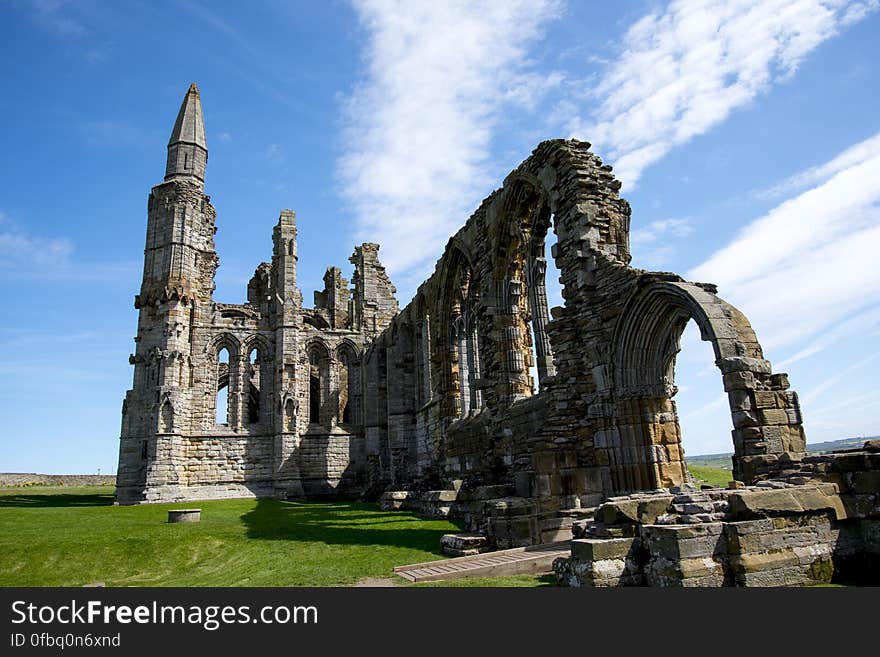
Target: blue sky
[(746, 135)]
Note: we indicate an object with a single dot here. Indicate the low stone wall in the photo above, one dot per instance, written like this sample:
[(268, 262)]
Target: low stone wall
[(818, 522), (208, 492), (769, 535), (491, 511), (31, 479)]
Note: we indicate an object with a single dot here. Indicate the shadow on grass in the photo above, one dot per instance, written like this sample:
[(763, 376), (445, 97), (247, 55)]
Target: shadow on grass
[(56, 500), (340, 523)]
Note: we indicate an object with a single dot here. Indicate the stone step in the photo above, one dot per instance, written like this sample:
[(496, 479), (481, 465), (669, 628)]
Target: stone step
[(463, 545), (587, 512), (534, 559)]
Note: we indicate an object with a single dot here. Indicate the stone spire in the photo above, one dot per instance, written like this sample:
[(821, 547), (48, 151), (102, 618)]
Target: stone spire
[(188, 148)]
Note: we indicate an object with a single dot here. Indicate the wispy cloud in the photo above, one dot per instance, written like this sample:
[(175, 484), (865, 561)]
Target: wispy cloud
[(684, 68), (852, 156), (419, 125), (811, 262), (20, 250), (654, 245), (59, 17), (862, 323), (25, 255), (831, 381), (659, 229)]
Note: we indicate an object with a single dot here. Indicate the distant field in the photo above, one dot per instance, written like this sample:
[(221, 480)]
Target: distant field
[(723, 460), (717, 461), (717, 477), (72, 536)]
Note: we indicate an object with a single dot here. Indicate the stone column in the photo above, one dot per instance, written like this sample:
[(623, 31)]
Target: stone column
[(538, 301)]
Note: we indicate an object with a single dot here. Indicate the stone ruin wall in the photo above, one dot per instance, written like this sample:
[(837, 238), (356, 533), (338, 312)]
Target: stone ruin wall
[(603, 420), (529, 460), (477, 401), (173, 446)]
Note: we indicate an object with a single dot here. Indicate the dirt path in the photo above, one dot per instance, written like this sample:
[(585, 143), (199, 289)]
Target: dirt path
[(377, 582)]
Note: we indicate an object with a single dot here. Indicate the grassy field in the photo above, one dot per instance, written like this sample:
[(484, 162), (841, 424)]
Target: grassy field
[(73, 536), (712, 476)]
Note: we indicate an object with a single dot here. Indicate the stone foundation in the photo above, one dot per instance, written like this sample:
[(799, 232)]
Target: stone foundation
[(775, 533)]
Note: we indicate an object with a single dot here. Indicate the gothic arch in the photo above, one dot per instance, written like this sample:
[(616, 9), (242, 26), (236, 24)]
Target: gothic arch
[(460, 351), (257, 341), (166, 416), (645, 343), (320, 397), (648, 333), (256, 380), (523, 221), (221, 340), (348, 384)]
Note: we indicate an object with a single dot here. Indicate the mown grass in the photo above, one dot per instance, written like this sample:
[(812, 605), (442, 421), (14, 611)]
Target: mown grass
[(72, 536), (712, 476)]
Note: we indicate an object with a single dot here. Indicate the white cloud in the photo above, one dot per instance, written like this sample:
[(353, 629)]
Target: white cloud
[(860, 324), (658, 229), (831, 381), (419, 126), (686, 67), (20, 250), (811, 262), (26, 255), (653, 246), (853, 155)]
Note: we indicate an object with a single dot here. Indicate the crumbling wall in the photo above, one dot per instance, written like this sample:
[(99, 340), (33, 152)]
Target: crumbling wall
[(600, 417), (174, 444), (816, 526)]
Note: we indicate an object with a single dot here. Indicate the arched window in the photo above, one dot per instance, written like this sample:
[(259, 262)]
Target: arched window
[(319, 393), (526, 352), (221, 405), (349, 391), (463, 331), (253, 386), (467, 344), (289, 416), (536, 280), (166, 420)]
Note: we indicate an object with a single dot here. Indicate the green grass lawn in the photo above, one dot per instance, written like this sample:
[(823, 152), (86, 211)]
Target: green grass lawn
[(712, 476), (73, 536)]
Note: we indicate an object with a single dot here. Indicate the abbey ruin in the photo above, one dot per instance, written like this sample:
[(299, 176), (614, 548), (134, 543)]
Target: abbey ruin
[(476, 400)]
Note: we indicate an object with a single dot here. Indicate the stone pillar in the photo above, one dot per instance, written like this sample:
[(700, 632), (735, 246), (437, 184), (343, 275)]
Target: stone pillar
[(540, 317), (511, 324)]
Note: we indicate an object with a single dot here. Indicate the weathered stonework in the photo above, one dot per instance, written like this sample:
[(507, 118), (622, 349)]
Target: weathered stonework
[(353, 396), (821, 529), (292, 374), (436, 408)]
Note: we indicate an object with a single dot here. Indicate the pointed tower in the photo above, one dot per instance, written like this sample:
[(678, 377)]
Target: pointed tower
[(188, 147), (178, 280)]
